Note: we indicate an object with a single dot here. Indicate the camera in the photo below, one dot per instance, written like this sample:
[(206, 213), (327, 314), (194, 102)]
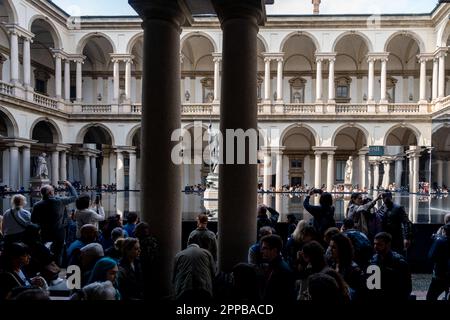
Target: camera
[(317, 191), (60, 182)]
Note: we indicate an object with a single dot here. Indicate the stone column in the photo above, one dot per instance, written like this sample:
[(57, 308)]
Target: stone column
[(279, 176), (26, 167), (416, 172), (87, 170), (447, 179), (63, 166), (120, 172), (14, 167), (280, 80), (267, 170), (423, 80), (128, 63), (398, 172), (116, 80), (14, 57), (318, 169), (319, 81), (330, 171), (238, 110), (67, 80), (217, 59), (442, 56), (93, 171), (376, 175), (26, 62), (362, 170), (440, 172), (267, 79), (132, 170), (411, 173), (79, 80), (371, 80), (435, 78), (383, 79), (71, 173), (387, 173), (55, 167), (369, 177), (58, 70), (331, 86)]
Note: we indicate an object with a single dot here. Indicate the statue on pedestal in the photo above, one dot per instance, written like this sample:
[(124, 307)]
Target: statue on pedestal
[(42, 170), (349, 171)]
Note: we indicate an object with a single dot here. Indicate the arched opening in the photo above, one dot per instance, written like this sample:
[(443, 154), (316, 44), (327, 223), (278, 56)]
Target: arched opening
[(401, 147), (350, 154), (440, 159), (197, 70), (351, 69), (136, 75), (298, 158), (404, 69), (47, 136), (98, 77), (42, 61), (299, 69), (6, 131), (94, 161)]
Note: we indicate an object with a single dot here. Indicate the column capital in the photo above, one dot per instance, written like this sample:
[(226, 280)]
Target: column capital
[(374, 56), (78, 58), (19, 142), (173, 11), (440, 52), (2, 58), (115, 57), (231, 9), (278, 150), (363, 151), (58, 53), (330, 56), (327, 150), (425, 57), (19, 31), (217, 56)]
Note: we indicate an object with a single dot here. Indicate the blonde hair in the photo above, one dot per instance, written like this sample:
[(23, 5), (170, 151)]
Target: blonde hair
[(18, 201), (297, 235)]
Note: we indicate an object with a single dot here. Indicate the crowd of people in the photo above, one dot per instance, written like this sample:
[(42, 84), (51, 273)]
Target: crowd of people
[(316, 261), (35, 247)]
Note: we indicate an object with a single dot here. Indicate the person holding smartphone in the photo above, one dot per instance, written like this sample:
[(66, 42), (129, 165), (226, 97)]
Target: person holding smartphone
[(323, 214), (85, 215)]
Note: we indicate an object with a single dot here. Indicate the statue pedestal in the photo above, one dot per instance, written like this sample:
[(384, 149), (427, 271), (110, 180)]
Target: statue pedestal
[(211, 196), (36, 185), (348, 187)]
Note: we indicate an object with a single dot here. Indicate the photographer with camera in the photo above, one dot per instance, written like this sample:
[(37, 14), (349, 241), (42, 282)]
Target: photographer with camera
[(323, 214), (87, 213), (360, 211)]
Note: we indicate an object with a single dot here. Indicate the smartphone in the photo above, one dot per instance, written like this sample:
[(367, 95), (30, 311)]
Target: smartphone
[(61, 182), (98, 198)]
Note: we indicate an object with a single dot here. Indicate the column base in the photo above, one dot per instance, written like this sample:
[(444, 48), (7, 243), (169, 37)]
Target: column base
[(19, 91), (267, 107), (331, 107), (124, 108), (423, 106)]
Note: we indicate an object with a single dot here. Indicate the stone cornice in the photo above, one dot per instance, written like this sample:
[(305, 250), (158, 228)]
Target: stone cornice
[(15, 28)]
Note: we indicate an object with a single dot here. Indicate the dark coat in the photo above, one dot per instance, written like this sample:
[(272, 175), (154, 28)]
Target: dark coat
[(395, 221), (50, 215), (131, 285), (280, 282), (323, 216)]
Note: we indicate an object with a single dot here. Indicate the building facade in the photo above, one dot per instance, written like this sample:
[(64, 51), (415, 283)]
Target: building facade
[(328, 86)]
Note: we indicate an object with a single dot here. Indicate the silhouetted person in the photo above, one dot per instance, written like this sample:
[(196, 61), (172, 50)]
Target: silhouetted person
[(205, 238), (323, 214), (439, 255)]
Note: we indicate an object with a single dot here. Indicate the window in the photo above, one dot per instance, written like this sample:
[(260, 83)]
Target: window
[(297, 90), (40, 86), (40, 81), (295, 164), (340, 170), (343, 89), (207, 90)]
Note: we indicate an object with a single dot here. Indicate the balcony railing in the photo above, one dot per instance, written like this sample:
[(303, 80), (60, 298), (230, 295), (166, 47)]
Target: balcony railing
[(351, 108), (96, 108), (403, 108), (136, 108), (6, 88), (299, 108), (198, 108), (45, 101)]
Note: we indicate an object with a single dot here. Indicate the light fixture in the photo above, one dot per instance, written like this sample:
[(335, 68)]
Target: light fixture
[(365, 97), (99, 97), (187, 95)]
